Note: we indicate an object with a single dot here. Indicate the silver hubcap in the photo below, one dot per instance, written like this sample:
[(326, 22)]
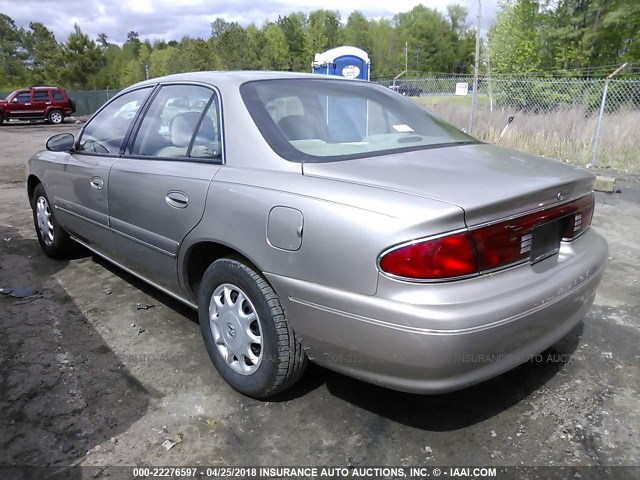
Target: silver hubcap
[(236, 329), (56, 117), (45, 222)]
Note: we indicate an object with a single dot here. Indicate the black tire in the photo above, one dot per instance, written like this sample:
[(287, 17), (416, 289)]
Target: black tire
[(61, 246), (55, 117), (1, 118), (283, 361)]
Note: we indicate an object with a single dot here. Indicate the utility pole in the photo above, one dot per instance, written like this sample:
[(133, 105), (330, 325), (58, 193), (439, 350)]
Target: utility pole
[(475, 71), (488, 75), (406, 63), (406, 56)]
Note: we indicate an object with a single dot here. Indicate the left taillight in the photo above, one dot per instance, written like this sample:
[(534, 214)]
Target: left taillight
[(490, 247), (439, 258)]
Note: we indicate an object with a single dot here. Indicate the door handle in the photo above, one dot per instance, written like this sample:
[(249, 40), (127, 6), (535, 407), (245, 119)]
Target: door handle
[(177, 199), (97, 183)]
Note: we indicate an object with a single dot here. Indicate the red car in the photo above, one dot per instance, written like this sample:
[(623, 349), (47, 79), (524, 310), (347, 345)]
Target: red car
[(37, 103)]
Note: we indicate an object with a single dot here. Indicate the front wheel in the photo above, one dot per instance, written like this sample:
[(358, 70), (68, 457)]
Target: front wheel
[(247, 335), (53, 239), (55, 117)]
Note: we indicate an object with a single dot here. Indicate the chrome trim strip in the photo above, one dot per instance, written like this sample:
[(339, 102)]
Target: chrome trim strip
[(81, 217), (129, 237), (142, 242), (135, 274), (529, 212)]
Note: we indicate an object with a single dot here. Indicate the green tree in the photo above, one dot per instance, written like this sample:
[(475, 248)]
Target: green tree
[(220, 26), (430, 40), (357, 32), (385, 45), (294, 27), (43, 55), (324, 30), (83, 61), (275, 54), (231, 48), (457, 15), (12, 70), (516, 40), (464, 38), (103, 40)]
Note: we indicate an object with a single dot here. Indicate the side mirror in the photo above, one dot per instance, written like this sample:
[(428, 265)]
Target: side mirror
[(63, 142)]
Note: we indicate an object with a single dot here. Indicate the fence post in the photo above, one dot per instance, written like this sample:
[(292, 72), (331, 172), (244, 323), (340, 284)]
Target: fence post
[(596, 142), (594, 158), (475, 72)]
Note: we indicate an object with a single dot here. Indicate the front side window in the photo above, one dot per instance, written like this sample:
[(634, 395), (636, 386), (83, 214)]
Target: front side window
[(181, 122), (327, 120), (24, 97), (105, 132), (41, 95)]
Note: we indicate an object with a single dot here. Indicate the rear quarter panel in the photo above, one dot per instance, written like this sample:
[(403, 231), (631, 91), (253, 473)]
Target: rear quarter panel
[(346, 226)]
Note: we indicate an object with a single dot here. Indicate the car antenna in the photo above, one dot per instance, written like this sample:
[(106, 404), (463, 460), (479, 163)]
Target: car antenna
[(506, 127)]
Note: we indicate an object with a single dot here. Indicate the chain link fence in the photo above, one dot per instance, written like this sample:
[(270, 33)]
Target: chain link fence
[(557, 118)]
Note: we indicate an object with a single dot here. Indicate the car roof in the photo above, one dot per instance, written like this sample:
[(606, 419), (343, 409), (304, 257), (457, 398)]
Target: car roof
[(234, 78)]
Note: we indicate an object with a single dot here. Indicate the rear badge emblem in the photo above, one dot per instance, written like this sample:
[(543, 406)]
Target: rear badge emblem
[(559, 196)]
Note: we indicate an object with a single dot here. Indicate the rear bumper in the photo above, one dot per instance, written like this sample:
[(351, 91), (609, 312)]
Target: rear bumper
[(442, 337)]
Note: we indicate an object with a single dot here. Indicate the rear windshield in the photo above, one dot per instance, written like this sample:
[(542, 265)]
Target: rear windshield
[(319, 120)]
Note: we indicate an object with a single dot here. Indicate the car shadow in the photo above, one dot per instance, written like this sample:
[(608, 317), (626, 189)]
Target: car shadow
[(63, 391), (169, 302)]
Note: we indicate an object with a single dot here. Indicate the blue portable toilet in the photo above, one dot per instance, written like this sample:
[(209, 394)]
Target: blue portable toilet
[(343, 122), (348, 62)]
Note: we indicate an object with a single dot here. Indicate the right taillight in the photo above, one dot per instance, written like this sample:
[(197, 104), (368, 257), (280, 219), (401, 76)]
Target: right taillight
[(485, 248)]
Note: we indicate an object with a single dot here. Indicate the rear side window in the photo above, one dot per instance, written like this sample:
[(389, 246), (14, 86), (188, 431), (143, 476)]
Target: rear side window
[(41, 95), (57, 95), (182, 121), (105, 132)]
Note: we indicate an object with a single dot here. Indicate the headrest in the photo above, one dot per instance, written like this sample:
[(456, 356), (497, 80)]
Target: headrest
[(182, 128)]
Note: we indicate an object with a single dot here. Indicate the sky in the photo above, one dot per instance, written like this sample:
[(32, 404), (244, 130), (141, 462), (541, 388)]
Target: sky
[(173, 19)]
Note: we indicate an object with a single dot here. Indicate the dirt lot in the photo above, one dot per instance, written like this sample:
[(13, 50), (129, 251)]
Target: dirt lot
[(87, 378)]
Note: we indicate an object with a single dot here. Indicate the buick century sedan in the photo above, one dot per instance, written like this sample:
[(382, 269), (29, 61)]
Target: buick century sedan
[(311, 218)]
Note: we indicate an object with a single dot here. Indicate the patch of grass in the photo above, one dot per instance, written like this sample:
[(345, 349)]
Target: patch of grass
[(566, 135)]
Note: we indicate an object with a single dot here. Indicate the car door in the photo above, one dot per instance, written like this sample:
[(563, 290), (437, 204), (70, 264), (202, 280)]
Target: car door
[(158, 188), (79, 182), (19, 107), (40, 102)]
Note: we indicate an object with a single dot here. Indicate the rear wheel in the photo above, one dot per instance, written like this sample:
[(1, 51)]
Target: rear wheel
[(247, 335), (55, 116), (1, 118), (53, 239)]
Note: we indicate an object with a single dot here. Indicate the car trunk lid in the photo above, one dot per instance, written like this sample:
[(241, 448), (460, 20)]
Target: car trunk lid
[(488, 182)]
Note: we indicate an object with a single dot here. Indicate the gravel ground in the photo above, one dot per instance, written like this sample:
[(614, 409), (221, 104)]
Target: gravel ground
[(87, 378)]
